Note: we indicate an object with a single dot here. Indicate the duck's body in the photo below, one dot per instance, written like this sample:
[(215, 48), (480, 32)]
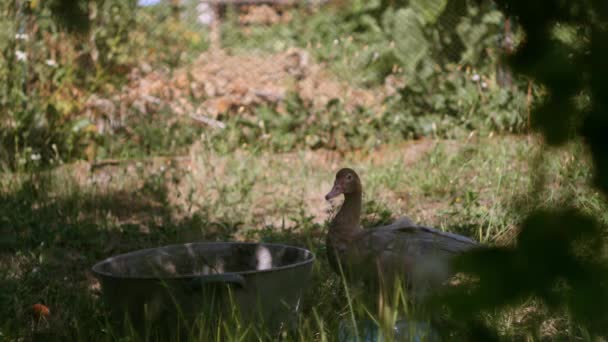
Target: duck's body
[(417, 255)]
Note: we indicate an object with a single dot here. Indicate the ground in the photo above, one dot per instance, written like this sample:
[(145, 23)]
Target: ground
[(218, 83), (80, 213)]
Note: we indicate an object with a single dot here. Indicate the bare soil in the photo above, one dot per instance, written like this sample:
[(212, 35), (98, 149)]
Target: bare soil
[(220, 83), (281, 183)]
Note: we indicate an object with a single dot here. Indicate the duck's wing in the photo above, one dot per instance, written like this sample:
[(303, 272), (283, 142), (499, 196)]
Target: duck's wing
[(421, 254), (407, 238), (411, 242), (446, 241), (403, 221)]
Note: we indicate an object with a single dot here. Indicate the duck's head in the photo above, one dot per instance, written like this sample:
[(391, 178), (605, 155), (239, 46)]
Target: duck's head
[(347, 182)]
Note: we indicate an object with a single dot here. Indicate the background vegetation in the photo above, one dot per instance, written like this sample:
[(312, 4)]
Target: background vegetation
[(52, 65), (88, 173)]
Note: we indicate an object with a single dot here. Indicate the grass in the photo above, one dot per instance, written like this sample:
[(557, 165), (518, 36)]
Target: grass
[(56, 224), (191, 185)]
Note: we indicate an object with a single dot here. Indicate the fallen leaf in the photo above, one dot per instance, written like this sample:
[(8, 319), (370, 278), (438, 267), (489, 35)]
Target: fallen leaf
[(41, 310)]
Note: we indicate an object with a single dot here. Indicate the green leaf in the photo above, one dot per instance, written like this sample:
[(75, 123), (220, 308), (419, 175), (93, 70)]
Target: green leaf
[(388, 20), (410, 43), (493, 17), (428, 10), (80, 124)]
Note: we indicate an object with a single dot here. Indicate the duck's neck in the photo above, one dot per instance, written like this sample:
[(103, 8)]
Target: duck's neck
[(347, 221)]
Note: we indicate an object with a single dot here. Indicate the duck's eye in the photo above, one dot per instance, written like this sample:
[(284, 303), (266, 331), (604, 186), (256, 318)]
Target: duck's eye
[(349, 177)]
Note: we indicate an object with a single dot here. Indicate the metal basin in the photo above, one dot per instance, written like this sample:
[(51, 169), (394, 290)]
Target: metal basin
[(178, 288)]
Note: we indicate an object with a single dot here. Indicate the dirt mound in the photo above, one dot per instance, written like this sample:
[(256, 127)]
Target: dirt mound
[(218, 83), (263, 15), (239, 83)]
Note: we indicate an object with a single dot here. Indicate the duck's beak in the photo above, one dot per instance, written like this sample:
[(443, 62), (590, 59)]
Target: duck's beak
[(335, 191)]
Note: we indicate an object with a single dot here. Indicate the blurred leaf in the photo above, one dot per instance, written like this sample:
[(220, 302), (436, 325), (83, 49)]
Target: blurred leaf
[(72, 14), (429, 10), (410, 43), (80, 125)]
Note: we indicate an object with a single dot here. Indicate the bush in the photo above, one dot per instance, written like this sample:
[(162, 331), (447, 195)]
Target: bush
[(55, 54), (450, 102)]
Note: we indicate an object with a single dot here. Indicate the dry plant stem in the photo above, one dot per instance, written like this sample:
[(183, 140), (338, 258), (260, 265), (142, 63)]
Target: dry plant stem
[(215, 35), (529, 105)]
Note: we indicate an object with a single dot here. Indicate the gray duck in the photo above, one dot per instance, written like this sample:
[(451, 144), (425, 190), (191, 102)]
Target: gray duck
[(417, 255)]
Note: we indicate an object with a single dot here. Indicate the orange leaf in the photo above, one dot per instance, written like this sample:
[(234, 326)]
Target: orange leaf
[(41, 310)]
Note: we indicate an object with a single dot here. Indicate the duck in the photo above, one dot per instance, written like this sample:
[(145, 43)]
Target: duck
[(417, 256)]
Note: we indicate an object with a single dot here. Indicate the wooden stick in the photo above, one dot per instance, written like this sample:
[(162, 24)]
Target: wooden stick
[(208, 121), (269, 96)]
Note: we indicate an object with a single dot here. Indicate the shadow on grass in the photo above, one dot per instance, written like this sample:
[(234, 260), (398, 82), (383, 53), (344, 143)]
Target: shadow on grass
[(51, 237)]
